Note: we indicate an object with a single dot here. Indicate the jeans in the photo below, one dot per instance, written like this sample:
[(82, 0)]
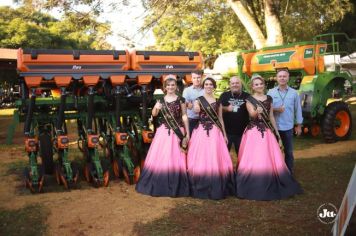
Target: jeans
[(287, 140), (234, 139), (193, 123)]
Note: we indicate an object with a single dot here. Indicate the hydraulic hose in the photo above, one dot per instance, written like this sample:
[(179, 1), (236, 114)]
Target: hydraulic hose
[(117, 109), (90, 109), (144, 107), (62, 107), (29, 115)]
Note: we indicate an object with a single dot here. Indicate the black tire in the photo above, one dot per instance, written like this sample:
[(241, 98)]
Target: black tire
[(331, 122), (46, 153)]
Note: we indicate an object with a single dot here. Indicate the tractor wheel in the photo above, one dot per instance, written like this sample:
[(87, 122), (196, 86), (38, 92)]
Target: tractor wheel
[(337, 122), (46, 153)]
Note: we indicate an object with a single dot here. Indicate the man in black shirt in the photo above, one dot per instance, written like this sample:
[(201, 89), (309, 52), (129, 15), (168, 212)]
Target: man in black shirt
[(235, 113)]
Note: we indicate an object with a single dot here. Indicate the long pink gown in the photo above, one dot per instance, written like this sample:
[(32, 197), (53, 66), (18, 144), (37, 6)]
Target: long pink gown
[(165, 169), (210, 169), (261, 170)]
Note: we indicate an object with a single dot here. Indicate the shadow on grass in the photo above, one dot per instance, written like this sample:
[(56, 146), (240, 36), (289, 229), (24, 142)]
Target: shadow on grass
[(324, 180), (30, 220)]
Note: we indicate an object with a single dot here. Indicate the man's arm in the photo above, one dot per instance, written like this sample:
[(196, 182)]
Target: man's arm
[(226, 106), (298, 114), (275, 109), (188, 101)]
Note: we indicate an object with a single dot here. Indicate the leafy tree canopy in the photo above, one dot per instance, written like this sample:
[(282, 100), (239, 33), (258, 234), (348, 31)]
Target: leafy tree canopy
[(213, 27), (28, 28)]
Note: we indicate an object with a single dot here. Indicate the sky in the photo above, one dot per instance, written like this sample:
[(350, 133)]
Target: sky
[(124, 21)]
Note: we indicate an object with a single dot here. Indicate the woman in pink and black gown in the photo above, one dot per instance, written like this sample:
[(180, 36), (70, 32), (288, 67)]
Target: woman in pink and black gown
[(261, 170), (209, 163), (165, 171)]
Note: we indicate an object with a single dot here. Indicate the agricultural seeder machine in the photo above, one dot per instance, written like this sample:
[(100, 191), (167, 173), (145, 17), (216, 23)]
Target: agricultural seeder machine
[(324, 73), (109, 94)]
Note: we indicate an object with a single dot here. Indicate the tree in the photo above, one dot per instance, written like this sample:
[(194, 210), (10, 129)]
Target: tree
[(211, 31), (26, 27), (266, 22)]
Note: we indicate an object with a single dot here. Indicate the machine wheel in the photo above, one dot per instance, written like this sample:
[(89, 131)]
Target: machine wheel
[(86, 172), (28, 181), (137, 173), (337, 122), (75, 170), (60, 176), (57, 174), (142, 163), (315, 130), (126, 176), (116, 167), (106, 173), (46, 153)]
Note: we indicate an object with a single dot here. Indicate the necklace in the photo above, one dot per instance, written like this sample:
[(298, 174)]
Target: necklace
[(235, 95), (284, 97)]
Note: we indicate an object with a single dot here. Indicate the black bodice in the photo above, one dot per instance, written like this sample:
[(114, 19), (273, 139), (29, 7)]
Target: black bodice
[(176, 111), (258, 122), (204, 119)]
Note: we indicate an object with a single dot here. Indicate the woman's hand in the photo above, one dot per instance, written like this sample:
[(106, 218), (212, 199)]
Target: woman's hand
[(158, 105), (196, 106), (259, 110), (189, 104), (185, 142), (226, 140)]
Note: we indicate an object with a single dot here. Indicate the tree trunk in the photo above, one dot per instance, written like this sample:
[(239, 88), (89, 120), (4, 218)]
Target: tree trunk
[(273, 23), (249, 23)]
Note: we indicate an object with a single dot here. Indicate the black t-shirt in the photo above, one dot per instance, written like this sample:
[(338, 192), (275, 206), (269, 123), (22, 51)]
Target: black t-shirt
[(237, 120)]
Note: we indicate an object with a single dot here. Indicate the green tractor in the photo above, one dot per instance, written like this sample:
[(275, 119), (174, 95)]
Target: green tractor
[(324, 73)]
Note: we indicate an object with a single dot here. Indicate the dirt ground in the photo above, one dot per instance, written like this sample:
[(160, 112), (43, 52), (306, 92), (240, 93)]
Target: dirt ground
[(114, 210)]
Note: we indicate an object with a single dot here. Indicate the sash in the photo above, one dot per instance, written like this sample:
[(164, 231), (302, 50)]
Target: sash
[(210, 111), (266, 120), (173, 124)]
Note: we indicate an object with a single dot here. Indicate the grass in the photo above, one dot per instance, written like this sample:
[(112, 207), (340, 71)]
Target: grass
[(30, 220), (16, 167), (323, 180), (307, 141)]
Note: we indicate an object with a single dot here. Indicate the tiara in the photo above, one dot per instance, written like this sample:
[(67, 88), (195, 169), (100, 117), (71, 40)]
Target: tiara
[(255, 76), (170, 76)]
